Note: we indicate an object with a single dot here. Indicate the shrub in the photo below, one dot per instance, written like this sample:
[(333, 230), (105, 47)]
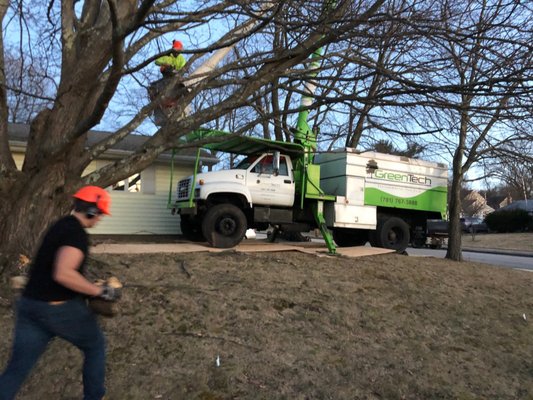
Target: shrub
[(509, 221)]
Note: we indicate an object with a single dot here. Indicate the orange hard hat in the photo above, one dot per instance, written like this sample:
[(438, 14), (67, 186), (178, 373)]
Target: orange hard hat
[(177, 45), (96, 195)]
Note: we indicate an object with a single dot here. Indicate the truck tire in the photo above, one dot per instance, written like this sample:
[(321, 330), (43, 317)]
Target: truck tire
[(224, 226), (392, 233), (344, 237), (191, 229)]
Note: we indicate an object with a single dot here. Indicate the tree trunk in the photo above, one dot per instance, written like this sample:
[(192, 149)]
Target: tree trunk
[(454, 251), (28, 209)]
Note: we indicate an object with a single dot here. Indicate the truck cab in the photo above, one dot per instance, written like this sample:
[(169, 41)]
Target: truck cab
[(219, 206), (255, 179)]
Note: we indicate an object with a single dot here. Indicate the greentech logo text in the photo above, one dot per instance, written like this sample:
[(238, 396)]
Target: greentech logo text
[(399, 177)]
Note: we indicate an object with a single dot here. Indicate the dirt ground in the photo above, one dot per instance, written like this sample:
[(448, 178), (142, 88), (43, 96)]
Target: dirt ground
[(289, 325)]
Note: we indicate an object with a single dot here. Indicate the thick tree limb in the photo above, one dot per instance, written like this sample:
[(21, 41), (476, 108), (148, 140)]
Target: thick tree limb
[(7, 163)]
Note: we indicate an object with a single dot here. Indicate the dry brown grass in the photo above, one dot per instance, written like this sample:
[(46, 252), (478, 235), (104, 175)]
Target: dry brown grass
[(500, 241), (297, 326)]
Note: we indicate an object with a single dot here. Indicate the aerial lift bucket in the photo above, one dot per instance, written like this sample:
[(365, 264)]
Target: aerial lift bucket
[(167, 102)]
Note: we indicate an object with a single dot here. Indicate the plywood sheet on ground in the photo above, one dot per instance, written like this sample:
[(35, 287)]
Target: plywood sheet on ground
[(249, 246), (358, 251), (361, 251), (147, 248)]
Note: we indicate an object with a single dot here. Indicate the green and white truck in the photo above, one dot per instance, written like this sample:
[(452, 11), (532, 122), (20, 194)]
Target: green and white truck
[(352, 197)]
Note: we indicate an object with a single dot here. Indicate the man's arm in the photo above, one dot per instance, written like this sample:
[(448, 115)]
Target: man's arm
[(67, 262)]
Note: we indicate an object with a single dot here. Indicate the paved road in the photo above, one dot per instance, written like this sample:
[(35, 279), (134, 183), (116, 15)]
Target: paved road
[(501, 260)]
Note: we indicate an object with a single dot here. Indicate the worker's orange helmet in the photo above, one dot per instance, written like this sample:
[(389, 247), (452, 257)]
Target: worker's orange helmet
[(96, 195), (177, 45)]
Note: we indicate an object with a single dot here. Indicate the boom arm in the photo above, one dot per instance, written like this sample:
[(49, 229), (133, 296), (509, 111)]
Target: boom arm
[(303, 133), (202, 72)]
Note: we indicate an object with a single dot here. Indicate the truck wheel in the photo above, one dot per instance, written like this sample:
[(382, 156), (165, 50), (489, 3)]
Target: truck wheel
[(393, 233), (224, 226), (191, 229), (344, 237)]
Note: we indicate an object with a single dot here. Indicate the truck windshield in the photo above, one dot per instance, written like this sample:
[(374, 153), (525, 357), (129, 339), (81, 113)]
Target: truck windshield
[(246, 162)]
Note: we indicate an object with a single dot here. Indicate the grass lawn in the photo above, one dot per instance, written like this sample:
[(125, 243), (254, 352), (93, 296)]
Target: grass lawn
[(500, 241)]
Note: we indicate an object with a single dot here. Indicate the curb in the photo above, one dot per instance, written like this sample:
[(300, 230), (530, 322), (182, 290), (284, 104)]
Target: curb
[(517, 253)]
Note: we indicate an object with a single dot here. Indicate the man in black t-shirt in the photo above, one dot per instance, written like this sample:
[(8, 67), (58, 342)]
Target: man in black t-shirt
[(53, 302)]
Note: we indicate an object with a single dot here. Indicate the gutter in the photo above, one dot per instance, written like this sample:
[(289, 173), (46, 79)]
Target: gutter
[(113, 154)]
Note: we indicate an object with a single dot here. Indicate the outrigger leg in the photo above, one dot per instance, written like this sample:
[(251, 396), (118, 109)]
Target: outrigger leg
[(318, 211)]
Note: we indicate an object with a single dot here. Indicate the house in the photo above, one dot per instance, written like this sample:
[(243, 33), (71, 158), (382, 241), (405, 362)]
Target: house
[(526, 205), (475, 205), (139, 203), (505, 202)]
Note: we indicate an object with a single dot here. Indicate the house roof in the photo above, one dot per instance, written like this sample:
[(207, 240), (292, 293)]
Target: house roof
[(520, 205), (19, 133), (246, 145)]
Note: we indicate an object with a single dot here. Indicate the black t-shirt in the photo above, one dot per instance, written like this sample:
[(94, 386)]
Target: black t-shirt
[(68, 231)]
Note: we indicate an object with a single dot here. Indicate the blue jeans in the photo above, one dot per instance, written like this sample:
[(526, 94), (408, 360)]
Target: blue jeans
[(37, 322)]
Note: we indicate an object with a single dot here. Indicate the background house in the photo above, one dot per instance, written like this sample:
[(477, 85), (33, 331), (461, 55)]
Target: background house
[(139, 203), (526, 205), (475, 205)]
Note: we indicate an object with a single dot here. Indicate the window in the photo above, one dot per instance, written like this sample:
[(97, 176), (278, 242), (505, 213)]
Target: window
[(265, 166), (142, 182), (283, 170), (132, 184), (246, 162)]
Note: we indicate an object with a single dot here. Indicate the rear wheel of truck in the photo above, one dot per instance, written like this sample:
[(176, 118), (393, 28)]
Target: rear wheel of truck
[(191, 229), (224, 225), (392, 233), (344, 237)]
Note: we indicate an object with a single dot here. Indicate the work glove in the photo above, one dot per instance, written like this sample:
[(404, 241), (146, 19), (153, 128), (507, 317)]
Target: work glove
[(106, 303), (109, 293)]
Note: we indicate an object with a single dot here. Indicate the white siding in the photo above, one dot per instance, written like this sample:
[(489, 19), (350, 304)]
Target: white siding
[(144, 214), (138, 214)]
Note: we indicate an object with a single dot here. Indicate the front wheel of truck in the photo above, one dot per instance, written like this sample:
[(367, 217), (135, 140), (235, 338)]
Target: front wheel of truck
[(224, 226)]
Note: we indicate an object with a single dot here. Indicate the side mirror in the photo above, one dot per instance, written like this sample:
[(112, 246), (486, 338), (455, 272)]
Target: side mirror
[(275, 162)]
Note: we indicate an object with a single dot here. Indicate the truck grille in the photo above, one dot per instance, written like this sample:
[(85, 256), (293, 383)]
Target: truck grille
[(184, 188)]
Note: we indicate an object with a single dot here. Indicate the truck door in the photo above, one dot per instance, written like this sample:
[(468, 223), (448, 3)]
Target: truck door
[(267, 188)]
